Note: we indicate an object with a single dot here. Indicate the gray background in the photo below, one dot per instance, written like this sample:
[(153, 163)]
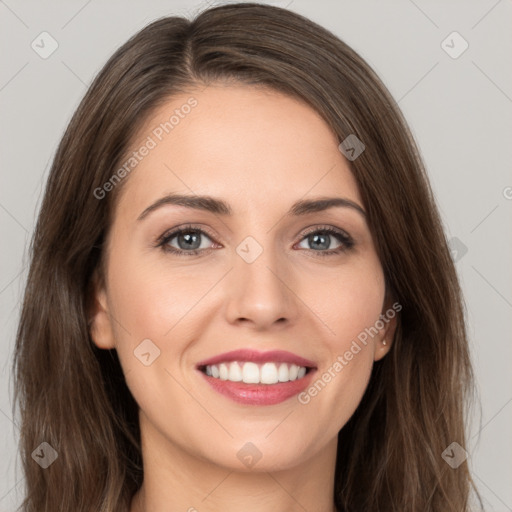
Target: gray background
[(460, 111)]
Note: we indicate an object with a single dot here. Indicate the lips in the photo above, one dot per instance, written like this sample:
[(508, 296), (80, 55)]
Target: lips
[(257, 378), (253, 356)]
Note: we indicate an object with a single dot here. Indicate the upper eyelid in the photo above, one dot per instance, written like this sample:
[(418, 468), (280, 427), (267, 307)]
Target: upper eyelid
[(171, 233), (320, 227)]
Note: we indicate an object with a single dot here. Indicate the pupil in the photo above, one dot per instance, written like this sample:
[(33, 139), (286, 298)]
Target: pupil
[(191, 239), (315, 240)]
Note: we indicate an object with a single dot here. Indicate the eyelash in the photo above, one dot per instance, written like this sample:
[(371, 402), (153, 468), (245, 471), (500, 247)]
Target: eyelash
[(343, 238)]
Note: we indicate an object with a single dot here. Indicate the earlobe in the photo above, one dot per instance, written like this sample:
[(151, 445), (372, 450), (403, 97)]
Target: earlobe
[(383, 345), (384, 341), (100, 325)]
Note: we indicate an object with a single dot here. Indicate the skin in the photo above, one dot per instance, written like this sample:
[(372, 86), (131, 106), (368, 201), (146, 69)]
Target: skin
[(260, 151)]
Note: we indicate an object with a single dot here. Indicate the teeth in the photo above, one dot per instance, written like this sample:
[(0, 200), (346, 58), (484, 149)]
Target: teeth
[(269, 374), (223, 372), (252, 373), (283, 374), (235, 373)]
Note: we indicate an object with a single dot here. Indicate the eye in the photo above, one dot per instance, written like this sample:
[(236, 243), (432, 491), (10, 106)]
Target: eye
[(190, 240), (185, 241), (320, 241)]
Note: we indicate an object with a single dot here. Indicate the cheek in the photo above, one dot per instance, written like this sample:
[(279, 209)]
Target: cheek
[(155, 302), (347, 302), (151, 307), (353, 305), (151, 299)]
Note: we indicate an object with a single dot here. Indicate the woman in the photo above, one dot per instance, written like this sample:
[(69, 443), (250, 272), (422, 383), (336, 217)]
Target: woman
[(240, 293)]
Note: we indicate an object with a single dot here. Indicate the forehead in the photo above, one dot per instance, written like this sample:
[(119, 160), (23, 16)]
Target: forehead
[(253, 146)]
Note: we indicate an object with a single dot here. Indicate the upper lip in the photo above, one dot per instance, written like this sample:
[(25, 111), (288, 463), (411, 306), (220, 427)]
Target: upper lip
[(254, 356)]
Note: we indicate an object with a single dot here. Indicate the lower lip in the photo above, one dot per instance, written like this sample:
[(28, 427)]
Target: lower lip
[(259, 394)]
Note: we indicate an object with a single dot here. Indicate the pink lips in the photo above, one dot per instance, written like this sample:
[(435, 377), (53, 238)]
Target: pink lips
[(253, 356), (258, 394)]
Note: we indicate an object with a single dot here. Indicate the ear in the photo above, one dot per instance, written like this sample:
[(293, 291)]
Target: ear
[(100, 325), (388, 317)]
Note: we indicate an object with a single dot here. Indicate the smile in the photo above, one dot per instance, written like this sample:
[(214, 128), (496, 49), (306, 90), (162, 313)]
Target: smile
[(257, 378), (253, 373)]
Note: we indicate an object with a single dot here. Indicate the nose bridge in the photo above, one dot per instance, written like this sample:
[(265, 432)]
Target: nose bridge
[(257, 288)]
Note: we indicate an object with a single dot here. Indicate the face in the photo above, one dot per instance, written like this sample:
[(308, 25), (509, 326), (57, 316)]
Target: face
[(241, 318)]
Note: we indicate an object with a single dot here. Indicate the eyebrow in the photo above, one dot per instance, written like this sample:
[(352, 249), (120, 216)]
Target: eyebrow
[(220, 207)]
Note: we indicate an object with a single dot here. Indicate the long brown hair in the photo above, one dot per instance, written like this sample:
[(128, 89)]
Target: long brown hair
[(74, 397)]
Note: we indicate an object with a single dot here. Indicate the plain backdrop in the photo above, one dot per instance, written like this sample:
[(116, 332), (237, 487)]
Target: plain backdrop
[(458, 103)]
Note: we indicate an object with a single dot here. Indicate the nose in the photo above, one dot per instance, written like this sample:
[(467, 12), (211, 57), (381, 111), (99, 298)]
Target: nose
[(261, 293)]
